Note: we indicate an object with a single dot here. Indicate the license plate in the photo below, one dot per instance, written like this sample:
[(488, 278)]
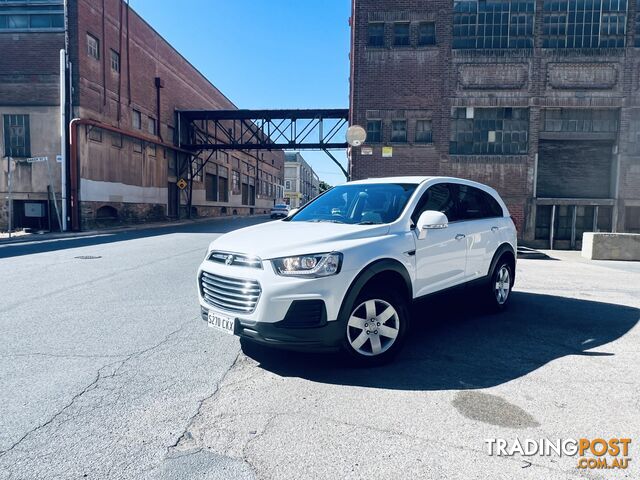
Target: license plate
[(220, 322)]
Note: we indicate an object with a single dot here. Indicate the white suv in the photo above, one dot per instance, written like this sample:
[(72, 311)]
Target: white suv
[(341, 272)]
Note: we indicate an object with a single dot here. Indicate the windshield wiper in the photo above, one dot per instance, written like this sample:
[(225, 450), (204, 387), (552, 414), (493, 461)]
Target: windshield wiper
[(369, 222)]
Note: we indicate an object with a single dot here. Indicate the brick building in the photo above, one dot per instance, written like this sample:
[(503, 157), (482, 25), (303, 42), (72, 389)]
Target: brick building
[(539, 99), (125, 84)]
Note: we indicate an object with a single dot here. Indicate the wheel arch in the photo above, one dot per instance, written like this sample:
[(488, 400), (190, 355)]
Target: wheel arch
[(375, 271), (505, 249)]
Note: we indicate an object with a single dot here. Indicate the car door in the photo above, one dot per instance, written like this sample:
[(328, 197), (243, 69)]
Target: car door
[(480, 223), (441, 255)]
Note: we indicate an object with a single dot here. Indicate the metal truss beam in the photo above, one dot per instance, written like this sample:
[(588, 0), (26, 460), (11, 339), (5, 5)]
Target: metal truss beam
[(262, 129)]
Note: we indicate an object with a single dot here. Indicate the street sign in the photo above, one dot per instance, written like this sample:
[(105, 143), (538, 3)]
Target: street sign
[(182, 184), (366, 151), (37, 159), (387, 152)]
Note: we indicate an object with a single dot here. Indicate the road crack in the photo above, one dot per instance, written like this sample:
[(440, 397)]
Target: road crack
[(92, 386), (186, 436)]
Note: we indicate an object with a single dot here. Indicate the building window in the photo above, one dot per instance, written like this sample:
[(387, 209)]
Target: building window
[(427, 33), (423, 131), (94, 134), (17, 139), (376, 34), (399, 131), (198, 167), (137, 146), (374, 131), (151, 149), (235, 182), (584, 24), (580, 120), (31, 16), (489, 131), (115, 61), (401, 35), (116, 140), (93, 46), (287, 185), (151, 126), (136, 120), (495, 24)]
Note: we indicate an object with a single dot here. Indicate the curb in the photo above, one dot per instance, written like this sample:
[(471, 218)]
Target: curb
[(132, 228)]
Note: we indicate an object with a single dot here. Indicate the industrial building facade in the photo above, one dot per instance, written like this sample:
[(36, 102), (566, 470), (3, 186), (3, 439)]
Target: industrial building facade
[(539, 99), (125, 84)]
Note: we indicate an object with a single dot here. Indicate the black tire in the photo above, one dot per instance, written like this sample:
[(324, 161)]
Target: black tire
[(500, 284), (382, 298)]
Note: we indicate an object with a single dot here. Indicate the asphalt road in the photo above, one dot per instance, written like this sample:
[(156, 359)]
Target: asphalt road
[(106, 371)]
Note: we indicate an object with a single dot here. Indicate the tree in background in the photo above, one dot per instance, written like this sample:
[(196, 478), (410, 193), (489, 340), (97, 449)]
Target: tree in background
[(324, 186)]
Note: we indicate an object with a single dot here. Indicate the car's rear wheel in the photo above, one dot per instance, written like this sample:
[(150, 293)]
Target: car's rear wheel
[(376, 326), (499, 291)]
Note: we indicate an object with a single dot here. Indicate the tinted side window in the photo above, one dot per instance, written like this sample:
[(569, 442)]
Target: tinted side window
[(441, 198), (474, 203)]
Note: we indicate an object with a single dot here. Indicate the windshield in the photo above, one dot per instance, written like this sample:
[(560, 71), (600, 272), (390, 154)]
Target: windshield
[(362, 204), (280, 206)]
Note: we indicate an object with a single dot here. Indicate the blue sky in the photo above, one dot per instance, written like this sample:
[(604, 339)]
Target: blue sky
[(265, 53)]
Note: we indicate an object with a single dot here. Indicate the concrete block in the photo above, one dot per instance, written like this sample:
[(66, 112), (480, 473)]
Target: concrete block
[(611, 246)]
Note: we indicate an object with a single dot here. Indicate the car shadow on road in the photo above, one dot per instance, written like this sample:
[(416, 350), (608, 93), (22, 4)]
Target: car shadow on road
[(452, 347)]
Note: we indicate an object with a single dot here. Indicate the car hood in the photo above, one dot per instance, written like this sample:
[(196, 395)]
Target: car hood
[(283, 238)]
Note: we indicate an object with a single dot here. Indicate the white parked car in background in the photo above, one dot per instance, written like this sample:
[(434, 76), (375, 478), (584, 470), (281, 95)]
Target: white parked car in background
[(280, 210), (341, 272)]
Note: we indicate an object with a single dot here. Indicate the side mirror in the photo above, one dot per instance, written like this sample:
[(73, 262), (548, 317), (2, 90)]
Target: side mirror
[(292, 211), (430, 220)]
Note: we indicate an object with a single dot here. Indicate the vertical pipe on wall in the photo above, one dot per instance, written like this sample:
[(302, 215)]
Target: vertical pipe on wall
[(119, 113), (104, 59), (63, 137)]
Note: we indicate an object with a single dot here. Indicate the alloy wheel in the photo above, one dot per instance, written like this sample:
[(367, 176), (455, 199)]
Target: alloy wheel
[(373, 327), (503, 285)]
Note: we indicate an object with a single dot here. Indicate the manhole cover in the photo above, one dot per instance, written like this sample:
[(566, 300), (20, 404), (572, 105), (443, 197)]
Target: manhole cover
[(87, 257)]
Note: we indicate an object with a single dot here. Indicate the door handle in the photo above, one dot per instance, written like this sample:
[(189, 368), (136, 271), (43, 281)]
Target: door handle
[(494, 229), (460, 236)]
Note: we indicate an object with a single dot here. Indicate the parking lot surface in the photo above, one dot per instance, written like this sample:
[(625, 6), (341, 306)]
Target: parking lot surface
[(106, 371)]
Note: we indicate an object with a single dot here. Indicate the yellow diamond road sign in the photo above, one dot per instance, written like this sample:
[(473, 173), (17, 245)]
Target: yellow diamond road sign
[(182, 184)]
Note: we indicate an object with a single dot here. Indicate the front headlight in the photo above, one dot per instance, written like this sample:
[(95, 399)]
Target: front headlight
[(313, 265)]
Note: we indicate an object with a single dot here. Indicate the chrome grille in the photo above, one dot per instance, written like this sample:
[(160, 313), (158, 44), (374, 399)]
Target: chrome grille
[(230, 258), (232, 294)]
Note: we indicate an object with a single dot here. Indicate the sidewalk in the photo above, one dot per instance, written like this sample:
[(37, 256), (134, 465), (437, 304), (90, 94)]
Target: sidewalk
[(41, 237)]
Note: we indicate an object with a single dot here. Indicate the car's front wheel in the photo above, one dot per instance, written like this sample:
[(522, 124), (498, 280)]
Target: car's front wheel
[(376, 326)]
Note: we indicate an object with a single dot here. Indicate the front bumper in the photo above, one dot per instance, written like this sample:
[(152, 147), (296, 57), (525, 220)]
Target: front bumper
[(327, 336)]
